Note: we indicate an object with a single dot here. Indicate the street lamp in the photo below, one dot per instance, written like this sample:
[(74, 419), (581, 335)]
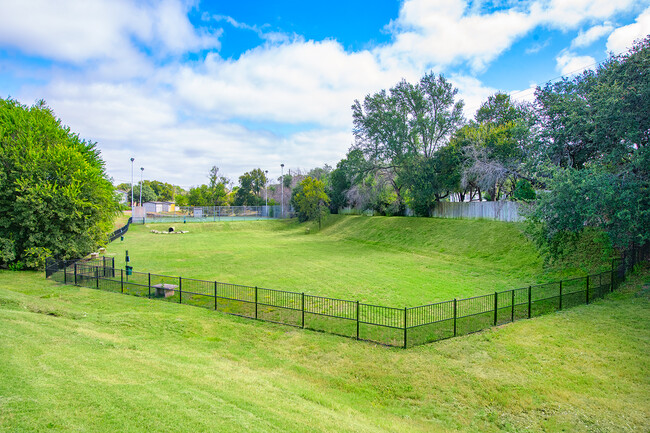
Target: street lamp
[(132, 159), (141, 171), (266, 189), (282, 188)]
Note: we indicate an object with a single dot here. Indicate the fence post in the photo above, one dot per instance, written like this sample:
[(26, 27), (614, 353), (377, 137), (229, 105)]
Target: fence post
[(303, 309), (180, 290), (65, 272), (530, 298), (122, 280), (587, 289), (405, 328), (149, 284), (97, 277), (560, 294), (357, 320), (455, 315), (496, 297), (512, 312), (75, 273), (215, 296), (256, 302)]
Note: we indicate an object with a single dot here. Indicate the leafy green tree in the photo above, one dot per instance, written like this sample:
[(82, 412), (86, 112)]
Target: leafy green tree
[(163, 191), (400, 130), (55, 196), (310, 200), (595, 130), (218, 193), (497, 145), (251, 185), (148, 193)]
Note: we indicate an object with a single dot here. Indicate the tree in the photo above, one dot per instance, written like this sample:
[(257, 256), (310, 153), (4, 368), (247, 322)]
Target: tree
[(310, 200), (164, 191), (497, 145), (218, 195), (251, 185), (594, 153), (148, 193), (399, 129), (55, 195)]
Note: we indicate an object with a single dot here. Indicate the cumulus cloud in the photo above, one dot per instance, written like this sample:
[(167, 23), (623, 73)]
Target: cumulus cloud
[(622, 38), (442, 32), (122, 76), (569, 63), (586, 38), (79, 31)]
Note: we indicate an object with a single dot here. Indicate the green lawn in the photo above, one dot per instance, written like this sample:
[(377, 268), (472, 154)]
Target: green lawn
[(77, 359), (388, 261)]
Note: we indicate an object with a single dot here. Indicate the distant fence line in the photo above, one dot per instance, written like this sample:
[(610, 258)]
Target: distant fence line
[(494, 210), (509, 211), (119, 232), (212, 213), (402, 327)]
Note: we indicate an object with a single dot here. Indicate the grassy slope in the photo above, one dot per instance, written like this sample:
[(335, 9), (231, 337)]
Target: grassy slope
[(76, 359), (389, 261)]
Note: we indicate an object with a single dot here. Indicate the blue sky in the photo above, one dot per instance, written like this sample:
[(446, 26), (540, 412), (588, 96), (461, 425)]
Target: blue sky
[(184, 85)]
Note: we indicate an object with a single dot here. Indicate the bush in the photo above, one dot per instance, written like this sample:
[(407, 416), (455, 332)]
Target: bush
[(35, 257), (55, 196)]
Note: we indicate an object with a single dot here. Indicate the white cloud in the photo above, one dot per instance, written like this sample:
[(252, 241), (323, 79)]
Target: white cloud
[(569, 63), (180, 118), (298, 82), (440, 32), (622, 38), (570, 14), (79, 31), (584, 39)]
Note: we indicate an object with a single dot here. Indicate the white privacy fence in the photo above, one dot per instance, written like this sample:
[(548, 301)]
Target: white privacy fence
[(495, 210)]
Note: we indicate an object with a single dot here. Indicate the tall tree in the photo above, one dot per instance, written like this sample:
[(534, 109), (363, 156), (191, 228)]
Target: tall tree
[(309, 199), (596, 129), (395, 129), (55, 196)]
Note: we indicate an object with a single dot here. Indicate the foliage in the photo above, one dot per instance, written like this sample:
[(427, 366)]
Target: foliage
[(214, 194), (400, 130), (148, 193), (35, 257), (496, 146), (251, 185), (54, 191), (524, 191), (309, 199), (595, 130)]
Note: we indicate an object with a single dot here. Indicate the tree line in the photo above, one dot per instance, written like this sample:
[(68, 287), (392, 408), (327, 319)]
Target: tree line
[(579, 152)]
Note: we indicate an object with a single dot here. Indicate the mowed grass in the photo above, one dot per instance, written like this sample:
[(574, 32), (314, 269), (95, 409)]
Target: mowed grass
[(388, 261), (77, 359)]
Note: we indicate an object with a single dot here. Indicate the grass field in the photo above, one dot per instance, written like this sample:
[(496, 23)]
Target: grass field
[(388, 261), (77, 359)]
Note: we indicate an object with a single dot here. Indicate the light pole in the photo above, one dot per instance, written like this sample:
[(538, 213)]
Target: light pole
[(266, 189), (282, 189), (132, 159), (141, 171)]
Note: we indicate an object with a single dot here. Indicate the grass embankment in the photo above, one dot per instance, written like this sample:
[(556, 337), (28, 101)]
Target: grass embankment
[(77, 359), (388, 261)]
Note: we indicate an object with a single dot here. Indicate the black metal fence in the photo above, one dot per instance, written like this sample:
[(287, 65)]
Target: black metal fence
[(119, 232), (403, 327)]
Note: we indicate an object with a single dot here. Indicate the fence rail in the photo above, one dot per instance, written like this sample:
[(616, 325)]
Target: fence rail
[(403, 327), (119, 232)]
